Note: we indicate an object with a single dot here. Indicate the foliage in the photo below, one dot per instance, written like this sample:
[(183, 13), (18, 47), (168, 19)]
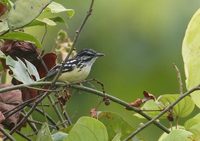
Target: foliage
[(21, 61)]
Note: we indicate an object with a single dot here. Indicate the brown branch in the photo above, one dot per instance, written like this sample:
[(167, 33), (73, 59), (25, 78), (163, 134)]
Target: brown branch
[(162, 113), (120, 102)]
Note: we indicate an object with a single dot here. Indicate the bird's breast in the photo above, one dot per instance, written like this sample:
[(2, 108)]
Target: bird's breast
[(77, 75)]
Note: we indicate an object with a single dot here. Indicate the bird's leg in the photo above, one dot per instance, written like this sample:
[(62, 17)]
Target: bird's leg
[(105, 99)]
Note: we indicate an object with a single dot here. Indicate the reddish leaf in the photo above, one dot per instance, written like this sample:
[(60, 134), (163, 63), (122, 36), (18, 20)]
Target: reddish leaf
[(137, 103), (8, 101), (148, 96), (3, 9), (49, 60)]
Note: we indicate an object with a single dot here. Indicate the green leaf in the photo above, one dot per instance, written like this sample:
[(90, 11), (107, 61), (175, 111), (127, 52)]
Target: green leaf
[(191, 53), (177, 135), (115, 124), (46, 21), (25, 11), (59, 136), (117, 137), (32, 70), (22, 37), (44, 133), (2, 55), (193, 125), (192, 121), (3, 27), (182, 109), (21, 72), (88, 129), (55, 7)]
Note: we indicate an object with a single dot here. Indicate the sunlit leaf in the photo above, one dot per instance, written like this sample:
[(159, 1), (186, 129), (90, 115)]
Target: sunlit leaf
[(55, 7), (46, 21), (59, 136), (3, 27), (21, 36), (32, 70), (88, 129), (115, 124), (44, 133), (191, 53), (25, 11), (177, 135), (117, 137), (193, 125), (182, 109), (21, 72)]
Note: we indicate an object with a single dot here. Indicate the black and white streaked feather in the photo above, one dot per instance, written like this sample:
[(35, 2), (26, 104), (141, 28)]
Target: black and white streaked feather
[(77, 68)]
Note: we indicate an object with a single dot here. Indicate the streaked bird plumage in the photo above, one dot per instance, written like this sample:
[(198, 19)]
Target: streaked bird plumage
[(78, 68)]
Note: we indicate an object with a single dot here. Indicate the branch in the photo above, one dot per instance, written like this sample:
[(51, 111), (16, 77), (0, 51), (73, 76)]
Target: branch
[(162, 113), (120, 102)]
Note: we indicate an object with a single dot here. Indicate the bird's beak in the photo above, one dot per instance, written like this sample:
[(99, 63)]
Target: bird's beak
[(100, 54)]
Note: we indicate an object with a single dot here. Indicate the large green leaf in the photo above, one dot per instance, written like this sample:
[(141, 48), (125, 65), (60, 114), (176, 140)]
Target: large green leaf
[(59, 136), (25, 11), (22, 72), (22, 37), (191, 53), (46, 21), (193, 125), (88, 129), (182, 109), (55, 7), (177, 135), (44, 133), (115, 124)]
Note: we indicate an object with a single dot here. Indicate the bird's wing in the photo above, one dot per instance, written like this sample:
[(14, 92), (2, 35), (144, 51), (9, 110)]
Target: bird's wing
[(69, 66)]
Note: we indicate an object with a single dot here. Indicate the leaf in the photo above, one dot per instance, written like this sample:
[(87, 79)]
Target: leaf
[(59, 136), (3, 27), (46, 21), (21, 36), (192, 121), (55, 7), (115, 125), (191, 53), (117, 137), (44, 133), (25, 11), (182, 109), (193, 125), (21, 72), (177, 135), (32, 70), (2, 55), (88, 129)]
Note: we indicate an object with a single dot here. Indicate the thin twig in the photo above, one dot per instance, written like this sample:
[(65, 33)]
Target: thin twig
[(120, 102), (7, 134), (24, 136), (162, 113), (179, 79)]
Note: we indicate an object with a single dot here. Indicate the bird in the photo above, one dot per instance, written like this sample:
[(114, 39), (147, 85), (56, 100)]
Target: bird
[(77, 68)]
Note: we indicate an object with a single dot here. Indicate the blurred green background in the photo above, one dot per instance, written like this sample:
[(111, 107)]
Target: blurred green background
[(141, 40)]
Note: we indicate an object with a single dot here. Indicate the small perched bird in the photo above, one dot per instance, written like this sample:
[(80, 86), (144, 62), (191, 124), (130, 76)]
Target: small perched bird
[(78, 68)]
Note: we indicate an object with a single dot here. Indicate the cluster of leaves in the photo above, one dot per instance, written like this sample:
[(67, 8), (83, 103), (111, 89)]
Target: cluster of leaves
[(22, 56)]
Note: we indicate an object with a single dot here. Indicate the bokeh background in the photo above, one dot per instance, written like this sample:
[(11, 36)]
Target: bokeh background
[(141, 40)]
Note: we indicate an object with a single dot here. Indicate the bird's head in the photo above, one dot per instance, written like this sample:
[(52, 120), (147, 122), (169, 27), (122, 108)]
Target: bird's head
[(88, 56)]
